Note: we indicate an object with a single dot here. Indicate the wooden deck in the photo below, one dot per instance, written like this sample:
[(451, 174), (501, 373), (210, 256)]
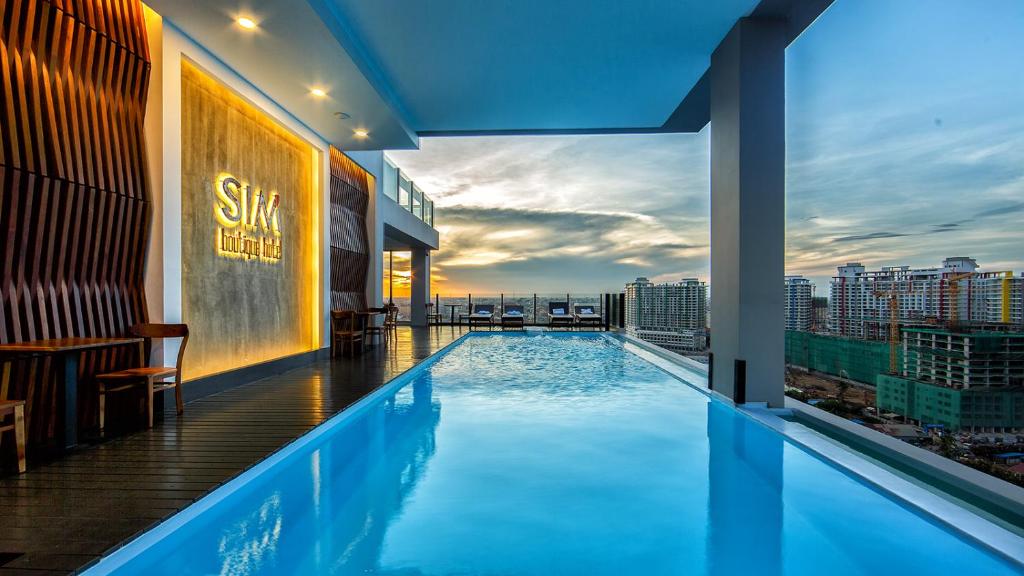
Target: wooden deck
[(58, 517)]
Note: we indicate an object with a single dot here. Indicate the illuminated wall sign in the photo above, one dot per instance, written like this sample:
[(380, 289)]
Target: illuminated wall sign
[(249, 221)]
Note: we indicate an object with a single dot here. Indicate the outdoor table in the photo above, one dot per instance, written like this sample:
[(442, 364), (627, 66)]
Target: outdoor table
[(66, 351), (451, 312)]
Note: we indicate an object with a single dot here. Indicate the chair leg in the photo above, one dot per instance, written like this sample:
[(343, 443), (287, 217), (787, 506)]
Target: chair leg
[(19, 436), (149, 402), (103, 410), (178, 398)]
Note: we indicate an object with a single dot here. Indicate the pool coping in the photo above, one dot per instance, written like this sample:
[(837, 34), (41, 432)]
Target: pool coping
[(950, 515), (1007, 545)]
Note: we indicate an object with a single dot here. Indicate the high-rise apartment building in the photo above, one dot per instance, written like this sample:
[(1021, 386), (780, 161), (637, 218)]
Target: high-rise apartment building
[(799, 303), (860, 300), (672, 315)]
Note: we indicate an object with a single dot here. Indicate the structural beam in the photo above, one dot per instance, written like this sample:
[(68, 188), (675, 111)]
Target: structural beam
[(420, 286), (748, 151)]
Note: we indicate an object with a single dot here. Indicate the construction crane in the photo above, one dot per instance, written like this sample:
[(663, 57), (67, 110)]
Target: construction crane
[(954, 296), (893, 298)]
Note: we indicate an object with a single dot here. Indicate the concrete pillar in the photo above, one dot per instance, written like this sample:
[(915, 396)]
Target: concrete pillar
[(748, 152), (420, 290)]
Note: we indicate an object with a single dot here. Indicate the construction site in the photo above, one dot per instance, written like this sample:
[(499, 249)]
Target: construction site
[(931, 356)]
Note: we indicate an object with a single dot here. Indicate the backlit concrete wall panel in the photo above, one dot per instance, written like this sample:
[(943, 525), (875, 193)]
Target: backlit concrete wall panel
[(247, 220)]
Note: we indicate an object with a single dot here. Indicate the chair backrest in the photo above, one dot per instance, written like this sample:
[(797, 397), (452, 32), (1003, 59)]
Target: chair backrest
[(563, 306), (160, 331), (344, 320), (585, 309), (483, 309), (513, 308)]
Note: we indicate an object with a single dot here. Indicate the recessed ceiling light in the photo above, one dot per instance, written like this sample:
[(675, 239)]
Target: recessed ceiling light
[(318, 92), (247, 23), (342, 115), (361, 133)]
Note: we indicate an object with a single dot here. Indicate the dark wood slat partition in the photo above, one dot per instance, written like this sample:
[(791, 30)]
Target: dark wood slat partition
[(74, 204), (351, 187)]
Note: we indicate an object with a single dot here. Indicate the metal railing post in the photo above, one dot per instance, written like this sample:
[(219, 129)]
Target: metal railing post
[(606, 311), (622, 310), (740, 381)]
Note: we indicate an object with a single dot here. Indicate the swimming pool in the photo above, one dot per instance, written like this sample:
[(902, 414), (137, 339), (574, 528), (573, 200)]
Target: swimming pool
[(548, 454)]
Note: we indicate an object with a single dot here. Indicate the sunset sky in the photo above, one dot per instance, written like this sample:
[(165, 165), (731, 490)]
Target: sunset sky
[(905, 144)]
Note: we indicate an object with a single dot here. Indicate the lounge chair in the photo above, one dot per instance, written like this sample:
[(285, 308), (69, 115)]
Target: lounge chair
[(513, 317), (482, 314), (586, 316), (558, 315)]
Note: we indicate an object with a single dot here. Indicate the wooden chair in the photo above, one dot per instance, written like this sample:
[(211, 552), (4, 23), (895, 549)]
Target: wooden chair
[(391, 320), (433, 317), (375, 330), (345, 327), (153, 377), (16, 410)]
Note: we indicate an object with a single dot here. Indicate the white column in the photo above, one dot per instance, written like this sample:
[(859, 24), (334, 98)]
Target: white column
[(375, 288), (154, 133), (420, 268), (748, 151)]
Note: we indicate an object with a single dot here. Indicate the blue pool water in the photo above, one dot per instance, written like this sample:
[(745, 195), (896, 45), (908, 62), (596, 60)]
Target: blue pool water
[(553, 454)]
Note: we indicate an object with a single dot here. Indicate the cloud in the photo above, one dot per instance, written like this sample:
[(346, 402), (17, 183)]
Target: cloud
[(871, 236), (565, 213), (511, 249), (1001, 210)]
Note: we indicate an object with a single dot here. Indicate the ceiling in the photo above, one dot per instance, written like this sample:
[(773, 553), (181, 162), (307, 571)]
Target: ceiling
[(290, 52), (409, 68), (472, 66)]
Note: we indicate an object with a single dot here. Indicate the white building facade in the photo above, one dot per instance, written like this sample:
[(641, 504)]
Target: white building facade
[(671, 315), (860, 300), (799, 304)]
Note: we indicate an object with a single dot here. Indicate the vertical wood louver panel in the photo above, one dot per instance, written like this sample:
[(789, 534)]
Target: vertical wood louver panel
[(74, 209), (350, 196)]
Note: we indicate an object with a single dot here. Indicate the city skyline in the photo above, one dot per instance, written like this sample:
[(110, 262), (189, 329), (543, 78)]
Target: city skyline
[(891, 161)]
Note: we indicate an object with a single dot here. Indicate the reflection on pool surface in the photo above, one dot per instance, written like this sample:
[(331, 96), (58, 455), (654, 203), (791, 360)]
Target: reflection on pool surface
[(555, 454)]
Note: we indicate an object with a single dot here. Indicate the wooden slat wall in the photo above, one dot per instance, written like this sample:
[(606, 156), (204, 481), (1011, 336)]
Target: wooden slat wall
[(74, 206), (350, 196)]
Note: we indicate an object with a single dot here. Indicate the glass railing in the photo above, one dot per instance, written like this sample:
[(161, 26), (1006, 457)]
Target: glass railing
[(400, 188), (454, 309)]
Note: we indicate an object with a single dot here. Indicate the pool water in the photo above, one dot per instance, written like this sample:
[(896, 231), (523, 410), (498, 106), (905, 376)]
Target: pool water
[(553, 454)]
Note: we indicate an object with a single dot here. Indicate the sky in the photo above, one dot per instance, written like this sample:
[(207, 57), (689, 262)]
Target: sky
[(905, 144)]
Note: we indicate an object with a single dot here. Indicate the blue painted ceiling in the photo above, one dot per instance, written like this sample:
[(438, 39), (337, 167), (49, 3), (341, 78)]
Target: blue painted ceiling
[(477, 66)]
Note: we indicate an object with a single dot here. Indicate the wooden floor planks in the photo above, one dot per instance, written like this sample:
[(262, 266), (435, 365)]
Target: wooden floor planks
[(63, 515)]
